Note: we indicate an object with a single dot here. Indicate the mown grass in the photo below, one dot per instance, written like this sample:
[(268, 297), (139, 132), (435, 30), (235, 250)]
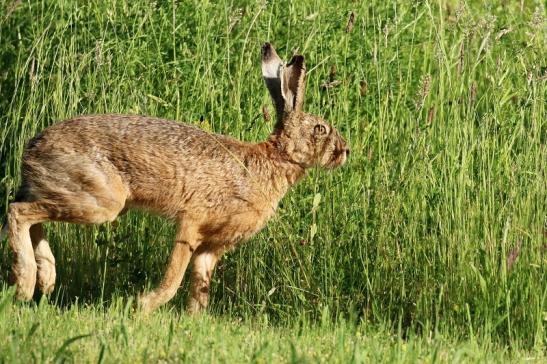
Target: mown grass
[(436, 224)]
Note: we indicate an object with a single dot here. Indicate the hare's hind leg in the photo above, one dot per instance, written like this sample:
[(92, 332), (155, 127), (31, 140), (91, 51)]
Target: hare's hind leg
[(21, 216), (90, 199), (185, 244), (45, 261), (32, 256)]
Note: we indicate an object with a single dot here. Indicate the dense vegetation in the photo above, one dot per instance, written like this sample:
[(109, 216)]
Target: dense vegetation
[(437, 224)]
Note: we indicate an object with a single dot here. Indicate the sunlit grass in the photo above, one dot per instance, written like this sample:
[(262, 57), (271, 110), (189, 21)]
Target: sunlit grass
[(117, 334)]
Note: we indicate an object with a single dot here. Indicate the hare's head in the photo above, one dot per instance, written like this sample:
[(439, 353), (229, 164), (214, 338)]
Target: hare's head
[(303, 138)]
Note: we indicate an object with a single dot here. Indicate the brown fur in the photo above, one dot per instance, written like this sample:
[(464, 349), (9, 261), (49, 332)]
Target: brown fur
[(219, 190)]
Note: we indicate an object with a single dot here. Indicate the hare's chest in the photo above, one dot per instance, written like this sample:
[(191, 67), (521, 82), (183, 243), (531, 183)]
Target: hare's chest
[(237, 225)]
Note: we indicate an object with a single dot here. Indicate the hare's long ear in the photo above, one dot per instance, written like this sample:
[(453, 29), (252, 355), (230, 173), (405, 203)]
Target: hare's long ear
[(293, 84), (272, 69), (285, 83)]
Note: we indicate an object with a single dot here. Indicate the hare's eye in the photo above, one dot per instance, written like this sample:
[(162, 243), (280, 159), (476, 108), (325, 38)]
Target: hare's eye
[(319, 129)]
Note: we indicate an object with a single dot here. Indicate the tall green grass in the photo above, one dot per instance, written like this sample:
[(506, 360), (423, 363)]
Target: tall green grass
[(436, 223)]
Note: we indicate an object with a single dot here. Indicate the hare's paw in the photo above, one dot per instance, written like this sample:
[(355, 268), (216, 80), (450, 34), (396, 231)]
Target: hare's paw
[(24, 276)]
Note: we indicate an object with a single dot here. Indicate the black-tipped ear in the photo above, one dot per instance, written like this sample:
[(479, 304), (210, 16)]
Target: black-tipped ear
[(272, 67), (285, 83), (293, 83)]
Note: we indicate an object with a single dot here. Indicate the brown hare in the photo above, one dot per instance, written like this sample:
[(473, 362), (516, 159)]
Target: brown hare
[(217, 189)]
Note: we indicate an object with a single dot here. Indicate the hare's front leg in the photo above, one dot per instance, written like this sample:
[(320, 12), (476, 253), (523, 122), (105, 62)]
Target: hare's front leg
[(202, 270), (185, 244)]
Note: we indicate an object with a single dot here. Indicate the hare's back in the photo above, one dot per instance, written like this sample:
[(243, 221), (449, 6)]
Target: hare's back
[(119, 130), (140, 148), (128, 138), (153, 159)]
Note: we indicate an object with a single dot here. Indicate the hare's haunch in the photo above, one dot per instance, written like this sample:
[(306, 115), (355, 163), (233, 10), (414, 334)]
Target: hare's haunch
[(219, 190)]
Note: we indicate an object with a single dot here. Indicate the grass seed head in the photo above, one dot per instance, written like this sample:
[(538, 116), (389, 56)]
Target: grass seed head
[(423, 92), (431, 115), (473, 93), (351, 21), (235, 17), (266, 113), (332, 74), (513, 255), (462, 58), (363, 87)]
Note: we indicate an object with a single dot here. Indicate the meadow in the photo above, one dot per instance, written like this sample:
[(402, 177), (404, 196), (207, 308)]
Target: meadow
[(429, 245)]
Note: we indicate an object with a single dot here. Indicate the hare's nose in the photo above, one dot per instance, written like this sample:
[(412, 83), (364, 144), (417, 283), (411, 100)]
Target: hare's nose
[(347, 151)]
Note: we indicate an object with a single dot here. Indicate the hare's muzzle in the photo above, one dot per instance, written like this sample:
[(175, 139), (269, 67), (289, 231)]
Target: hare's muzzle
[(340, 153), (344, 152), (345, 148)]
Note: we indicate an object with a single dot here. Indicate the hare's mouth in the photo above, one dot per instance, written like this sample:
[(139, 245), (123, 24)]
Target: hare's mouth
[(338, 158)]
